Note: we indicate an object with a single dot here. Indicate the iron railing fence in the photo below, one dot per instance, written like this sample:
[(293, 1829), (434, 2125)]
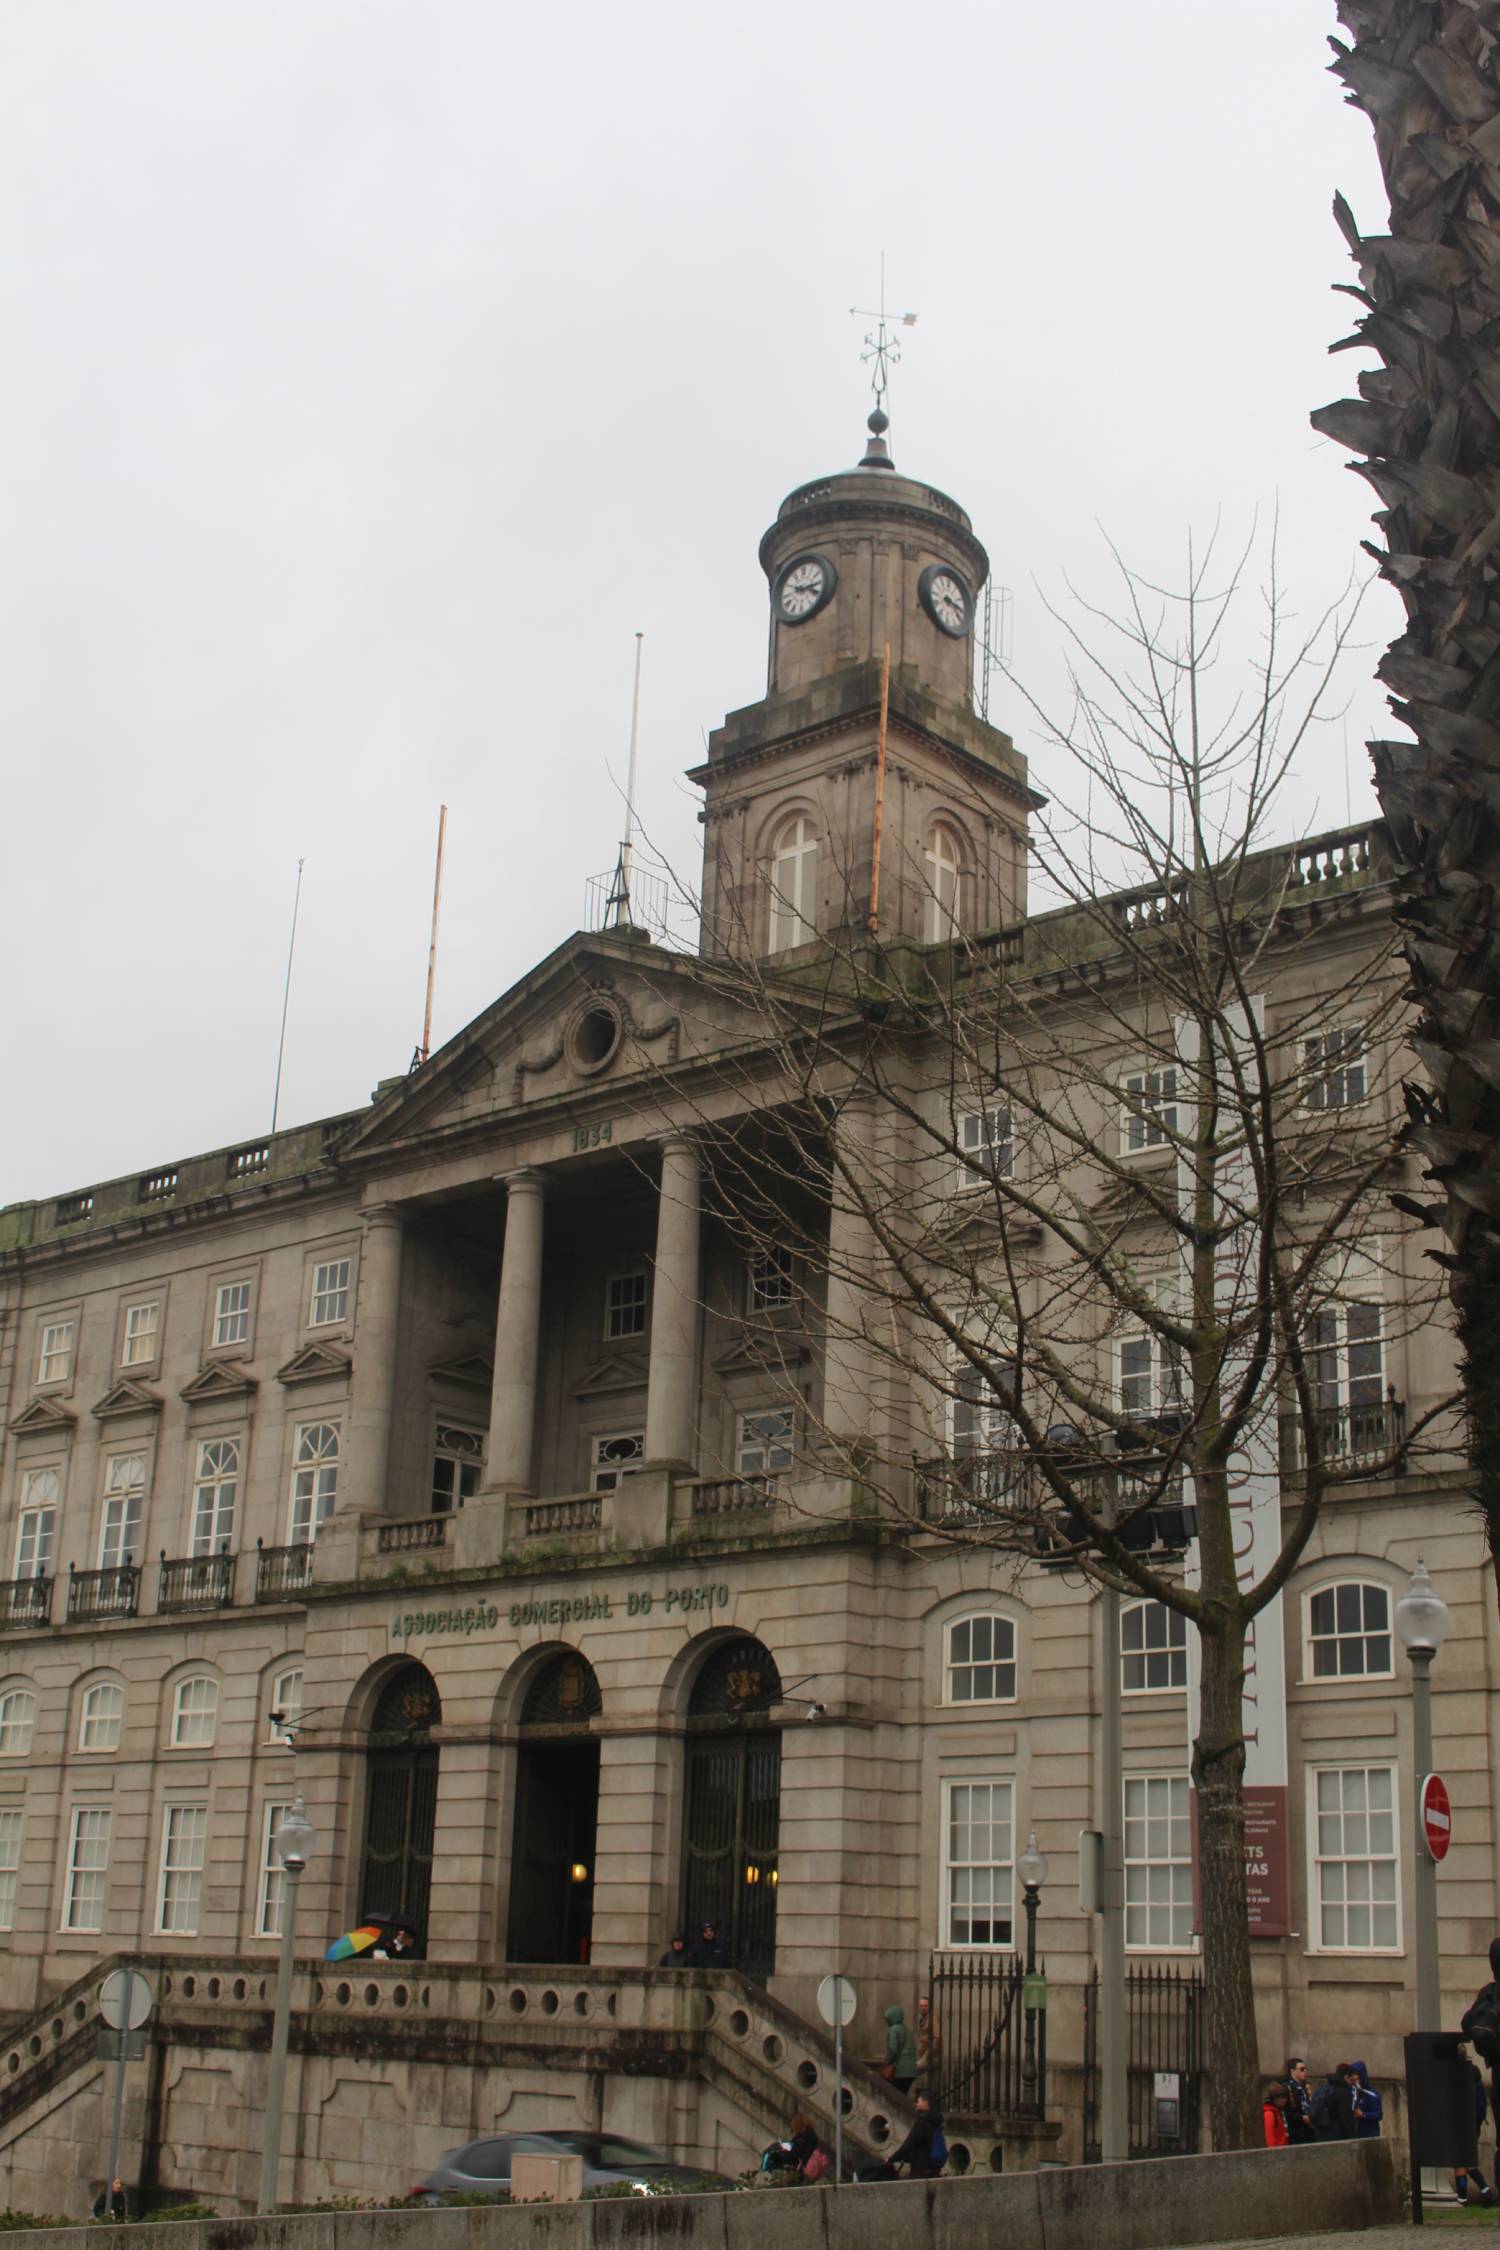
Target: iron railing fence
[(983, 2063), (1164, 2028), (95, 1595), (281, 1573), (195, 1582)]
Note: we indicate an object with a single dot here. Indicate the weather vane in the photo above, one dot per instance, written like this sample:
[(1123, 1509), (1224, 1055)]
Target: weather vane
[(882, 349)]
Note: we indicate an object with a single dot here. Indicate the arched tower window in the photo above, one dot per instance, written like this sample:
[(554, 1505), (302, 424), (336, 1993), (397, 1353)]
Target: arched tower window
[(794, 884), (940, 910)]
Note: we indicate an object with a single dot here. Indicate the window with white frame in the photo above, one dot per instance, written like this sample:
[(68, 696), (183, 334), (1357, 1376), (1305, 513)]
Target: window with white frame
[(315, 1478), (101, 1716), (1355, 1871), (286, 1703), (763, 1442), (981, 1414), (1348, 1357), (986, 1145), (978, 1850), (330, 1293), (1158, 1862), (231, 1313), (457, 1458), (10, 1865), (195, 1713), (940, 913), (142, 1332), (17, 1720), (271, 1886), (625, 1305), (87, 1882), (1149, 1109), (615, 1457), (184, 1841), (794, 884), (980, 1661), (54, 1362), (216, 1486), (1153, 1649), (1349, 1632), (124, 1500), (1150, 1374), (770, 1277), (36, 1524), (1333, 1064)]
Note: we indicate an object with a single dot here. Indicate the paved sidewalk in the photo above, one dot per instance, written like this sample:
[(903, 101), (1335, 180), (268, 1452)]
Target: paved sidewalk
[(1366, 2238)]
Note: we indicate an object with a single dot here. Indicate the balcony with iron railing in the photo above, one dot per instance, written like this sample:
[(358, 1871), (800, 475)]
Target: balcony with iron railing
[(282, 1573), (1007, 1491), (97, 1596), (1366, 1438), (23, 1602), (188, 1582)]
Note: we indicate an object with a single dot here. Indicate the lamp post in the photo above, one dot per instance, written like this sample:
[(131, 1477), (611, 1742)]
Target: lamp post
[(1032, 1869), (294, 1843), (1421, 1627)]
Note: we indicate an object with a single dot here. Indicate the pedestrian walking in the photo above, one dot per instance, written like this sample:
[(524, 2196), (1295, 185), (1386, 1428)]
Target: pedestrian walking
[(1469, 2176), (900, 2051), (1480, 2021), (929, 2040), (1273, 2110), (924, 2151), (1298, 2102)]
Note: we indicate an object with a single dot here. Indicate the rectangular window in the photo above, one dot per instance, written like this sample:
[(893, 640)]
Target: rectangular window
[(763, 1442), (88, 1869), (986, 1146), (1158, 1862), (232, 1314), (1348, 1357), (1354, 1859), (616, 1457), (36, 1530), (1349, 1632), (315, 1479), (271, 1888), (977, 1856), (981, 1664), (769, 1277), (10, 1866), (625, 1305), (142, 1327), (456, 1462), (1153, 1649), (1150, 1375), (184, 1839), (1150, 1109), (124, 1499), (1334, 1068), (330, 1293), (55, 1359), (215, 1491)]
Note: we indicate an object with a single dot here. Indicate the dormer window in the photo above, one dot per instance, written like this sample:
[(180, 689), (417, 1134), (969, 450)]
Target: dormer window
[(940, 916), (794, 884)]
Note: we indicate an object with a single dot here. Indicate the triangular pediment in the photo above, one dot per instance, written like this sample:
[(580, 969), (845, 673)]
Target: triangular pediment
[(127, 1398), (777, 1355), (473, 1373), (211, 1385), (613, 1374), (44, 1414), (314, 1363)]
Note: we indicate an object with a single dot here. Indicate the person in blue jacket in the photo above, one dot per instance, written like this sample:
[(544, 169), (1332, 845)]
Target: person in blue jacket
[(1369, 2109)]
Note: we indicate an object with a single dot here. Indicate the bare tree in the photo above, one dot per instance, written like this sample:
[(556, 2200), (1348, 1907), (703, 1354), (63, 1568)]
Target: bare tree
[(1096, 1209)]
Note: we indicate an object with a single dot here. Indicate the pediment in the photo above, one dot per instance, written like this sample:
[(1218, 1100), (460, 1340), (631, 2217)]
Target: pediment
[(127, 1398), (613, 1374), (473, 1373), (776, 1357), (214, 1383), (314, 1363), (44, 1414)]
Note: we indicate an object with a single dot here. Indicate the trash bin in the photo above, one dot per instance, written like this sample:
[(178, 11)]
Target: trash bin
[(1439, 2107)]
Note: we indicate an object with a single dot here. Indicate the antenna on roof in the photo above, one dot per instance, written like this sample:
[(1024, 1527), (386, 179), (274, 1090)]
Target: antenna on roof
[(425, 1048), (286, 994), (617, 910)]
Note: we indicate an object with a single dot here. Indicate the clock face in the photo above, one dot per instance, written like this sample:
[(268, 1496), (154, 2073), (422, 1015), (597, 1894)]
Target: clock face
[(803, 588), (945, 598)]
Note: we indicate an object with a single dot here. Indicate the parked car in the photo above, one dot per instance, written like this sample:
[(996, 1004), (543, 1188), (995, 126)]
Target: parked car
[(483, 2167)]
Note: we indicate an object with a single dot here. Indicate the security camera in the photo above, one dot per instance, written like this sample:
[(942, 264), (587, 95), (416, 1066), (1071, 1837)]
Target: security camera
[(816, 1711)]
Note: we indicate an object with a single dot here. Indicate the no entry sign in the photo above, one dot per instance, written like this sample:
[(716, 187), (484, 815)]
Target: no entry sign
[(1437, 1815)]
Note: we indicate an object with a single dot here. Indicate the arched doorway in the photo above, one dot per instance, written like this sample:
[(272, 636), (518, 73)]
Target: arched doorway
[(557, 1812), (401, 1776), (732, 1816)]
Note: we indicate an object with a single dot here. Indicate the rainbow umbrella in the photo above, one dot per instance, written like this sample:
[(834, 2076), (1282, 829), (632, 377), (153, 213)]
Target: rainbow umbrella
[(354, 1941)]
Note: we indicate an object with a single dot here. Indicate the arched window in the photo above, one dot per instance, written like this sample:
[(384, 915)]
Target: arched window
[(195, 1713), (1153, 1648), (17, 1718), (794, 884), (101, 1716), (285, 1712), (1349, 1632), (980, 1665), (940, 915)]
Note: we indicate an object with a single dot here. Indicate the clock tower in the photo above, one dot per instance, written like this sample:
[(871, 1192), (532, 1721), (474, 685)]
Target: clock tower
[(863, 771)]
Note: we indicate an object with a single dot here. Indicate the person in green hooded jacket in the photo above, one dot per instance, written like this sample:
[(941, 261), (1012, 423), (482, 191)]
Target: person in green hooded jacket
[(900, 2050)]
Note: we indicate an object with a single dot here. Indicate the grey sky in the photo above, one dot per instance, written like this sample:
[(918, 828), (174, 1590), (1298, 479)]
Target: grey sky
[(374, 369)]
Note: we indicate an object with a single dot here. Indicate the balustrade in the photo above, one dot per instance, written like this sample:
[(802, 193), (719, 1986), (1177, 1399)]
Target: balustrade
[(25, 1601), (732, 1496), (552, 1519), (411, 1533), (95, 1596), (195, 1582), (282, 1573)]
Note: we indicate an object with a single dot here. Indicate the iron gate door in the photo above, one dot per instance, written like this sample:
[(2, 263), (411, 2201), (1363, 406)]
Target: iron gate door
[(1164, 2017), (731, 1833), (401, 1778)]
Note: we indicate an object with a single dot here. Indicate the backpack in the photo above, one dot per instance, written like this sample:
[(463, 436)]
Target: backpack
[(1481, 2025), (1321, 2116), (939, 2156)]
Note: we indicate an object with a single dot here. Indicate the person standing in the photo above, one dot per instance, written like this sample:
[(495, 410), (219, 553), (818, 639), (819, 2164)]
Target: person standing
[(1467, 2176), (900, 2051), (1480, 2021), (1332, 2112), (1298, 2103), (112, 2202), (1273, 2113), (929, 2042), (708, 1951), (676, 1955), (1369, 2109)]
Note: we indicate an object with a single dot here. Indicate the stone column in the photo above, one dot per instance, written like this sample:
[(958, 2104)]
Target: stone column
[(672, 1378), (851, 1369), (517, 1338), (376, 1334)]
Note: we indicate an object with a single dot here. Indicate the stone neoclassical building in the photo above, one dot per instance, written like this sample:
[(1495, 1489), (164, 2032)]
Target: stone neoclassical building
[(460, 1464)]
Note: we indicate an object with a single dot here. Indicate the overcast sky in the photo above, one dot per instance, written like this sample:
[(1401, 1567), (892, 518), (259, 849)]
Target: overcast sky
[(375, 369)]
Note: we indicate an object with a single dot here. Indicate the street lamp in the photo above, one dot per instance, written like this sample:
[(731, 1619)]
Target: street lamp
[(1032, 1869), (294, 1843), (1421, 1627)]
